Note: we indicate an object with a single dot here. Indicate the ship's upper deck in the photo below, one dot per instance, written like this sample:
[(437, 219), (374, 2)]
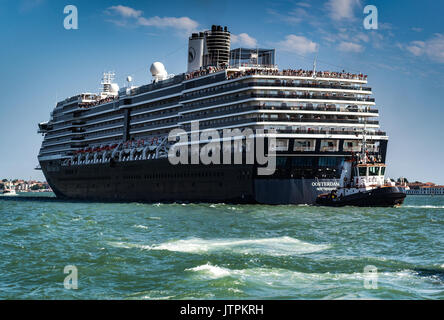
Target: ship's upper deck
[(294, 103)]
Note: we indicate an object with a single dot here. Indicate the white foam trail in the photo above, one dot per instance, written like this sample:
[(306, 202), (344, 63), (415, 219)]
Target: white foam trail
[(211, 271), (280, 246), (126, 245), (139, 226), (277, 277), (424, 207)]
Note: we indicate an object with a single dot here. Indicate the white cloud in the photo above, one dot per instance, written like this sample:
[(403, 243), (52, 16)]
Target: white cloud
[(28, 5), (416, 47), (183, 23), (432, 48), (295, 16), (342, 9), (350, 47), (130, 15), (298, 44), (244, 39), (126, 12), (362, 37), (303, 4), (385, 26)]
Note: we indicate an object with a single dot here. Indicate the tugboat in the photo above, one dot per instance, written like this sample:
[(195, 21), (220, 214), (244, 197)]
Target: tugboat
[(362, 184)]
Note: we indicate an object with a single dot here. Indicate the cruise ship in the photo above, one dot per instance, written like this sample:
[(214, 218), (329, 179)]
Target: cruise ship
[(116, 145)]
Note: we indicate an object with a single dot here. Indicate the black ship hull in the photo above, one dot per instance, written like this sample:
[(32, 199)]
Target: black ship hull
[(380, 197), (159, 181)]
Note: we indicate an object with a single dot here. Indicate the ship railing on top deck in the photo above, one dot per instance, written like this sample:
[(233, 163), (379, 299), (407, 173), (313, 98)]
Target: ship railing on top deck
[(298, 73), (156, 85), (68, 100), (86, 105), (254, 70), (203, 72), (254, 65)]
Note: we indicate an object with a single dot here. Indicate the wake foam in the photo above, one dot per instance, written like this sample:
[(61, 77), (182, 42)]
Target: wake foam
[(279, 246), (213, 272), (288, 278), (140, 226), (424, 207)]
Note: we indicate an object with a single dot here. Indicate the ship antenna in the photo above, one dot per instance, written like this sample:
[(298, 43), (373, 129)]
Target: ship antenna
[(107, 80), (364, 142), (314, 66)]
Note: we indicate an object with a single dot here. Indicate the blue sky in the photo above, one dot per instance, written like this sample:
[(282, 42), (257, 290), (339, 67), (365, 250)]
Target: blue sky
[(41, 62)]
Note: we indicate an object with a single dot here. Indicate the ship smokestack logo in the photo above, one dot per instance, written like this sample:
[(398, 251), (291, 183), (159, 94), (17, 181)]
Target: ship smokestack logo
[(233, 144), (191, 55)]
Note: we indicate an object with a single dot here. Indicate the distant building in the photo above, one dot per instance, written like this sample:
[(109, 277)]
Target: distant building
[(428, 188), (25, 186)]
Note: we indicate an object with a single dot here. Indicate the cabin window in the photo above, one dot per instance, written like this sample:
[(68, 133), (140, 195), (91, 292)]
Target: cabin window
[(362, 171), (351, 146), (382, 171), (373, 171), (304, 145), (280, 145), (329, 145)]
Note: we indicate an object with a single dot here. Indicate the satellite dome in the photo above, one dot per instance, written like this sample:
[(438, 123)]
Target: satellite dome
[(158, 71), (129, 78), (114, 87)]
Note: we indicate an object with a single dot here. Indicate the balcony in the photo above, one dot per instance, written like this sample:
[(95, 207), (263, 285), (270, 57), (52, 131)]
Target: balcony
[(310, 96), (214, 90), (245, 96), (191, 116), (78, 122), (292, 131)]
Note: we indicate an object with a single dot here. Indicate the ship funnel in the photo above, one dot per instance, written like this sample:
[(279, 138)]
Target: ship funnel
[(209, 48)]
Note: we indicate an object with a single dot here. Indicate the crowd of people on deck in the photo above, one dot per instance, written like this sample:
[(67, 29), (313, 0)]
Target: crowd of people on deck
[(203, 72), (276, 72), (324, 74), (298, 73), (97, 102)]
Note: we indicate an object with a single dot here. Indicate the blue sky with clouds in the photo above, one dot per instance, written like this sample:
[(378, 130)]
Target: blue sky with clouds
[(41, 62)]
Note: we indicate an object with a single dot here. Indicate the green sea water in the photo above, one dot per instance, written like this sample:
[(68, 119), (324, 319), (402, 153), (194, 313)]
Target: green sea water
[(221, 251)]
